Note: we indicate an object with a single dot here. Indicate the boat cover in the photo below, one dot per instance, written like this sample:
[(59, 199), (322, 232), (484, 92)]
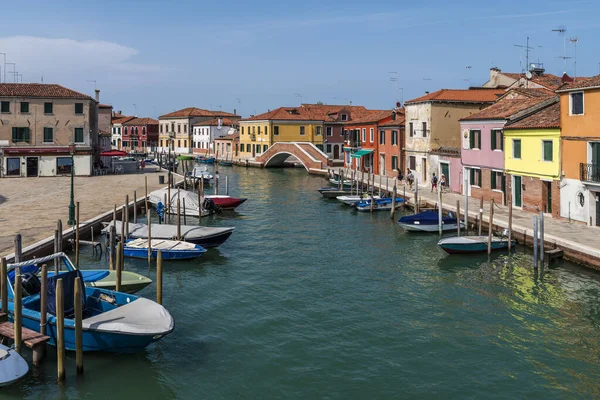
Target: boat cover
[(162, 231), (162, 244), (94, 276), (426, 217), (140, 317), (68, 279), (12, 366)]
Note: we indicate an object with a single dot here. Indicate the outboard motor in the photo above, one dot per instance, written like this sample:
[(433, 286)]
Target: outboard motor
[(210, 205), (31, 284)]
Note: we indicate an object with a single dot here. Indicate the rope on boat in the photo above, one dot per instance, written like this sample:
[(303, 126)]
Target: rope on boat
[(36, 260)]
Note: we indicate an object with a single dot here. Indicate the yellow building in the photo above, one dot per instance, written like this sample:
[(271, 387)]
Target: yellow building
[(532, 160), (285, 124)]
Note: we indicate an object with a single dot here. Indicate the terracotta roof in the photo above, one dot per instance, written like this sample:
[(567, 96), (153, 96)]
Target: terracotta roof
[(528, 92), (446, 151), (505, 108), (40, 90), (549, 81), (331, 112), (371, 117), (104, 106), (197, 112), (215, 122), (399, 121), (121, 120), (289, 114), (581, 83), (460, 96), (233, 136), (548, 117), (140, 121)]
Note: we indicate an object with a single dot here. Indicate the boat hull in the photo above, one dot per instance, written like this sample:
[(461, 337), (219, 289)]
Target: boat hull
[(227, 203), (166, 254), (430, 227), (332, 193), (471, 245)]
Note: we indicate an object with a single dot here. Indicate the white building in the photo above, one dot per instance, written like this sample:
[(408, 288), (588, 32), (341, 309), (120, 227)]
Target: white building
[(206, 132), (117, 130)]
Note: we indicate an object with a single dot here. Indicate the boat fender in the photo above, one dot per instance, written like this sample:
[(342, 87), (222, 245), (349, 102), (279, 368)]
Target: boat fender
[(107, 298)]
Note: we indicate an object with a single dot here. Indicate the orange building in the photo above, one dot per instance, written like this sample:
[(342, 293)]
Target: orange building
[(580, 137)]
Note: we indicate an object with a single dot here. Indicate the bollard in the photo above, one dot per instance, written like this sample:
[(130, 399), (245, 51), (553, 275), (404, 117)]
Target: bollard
[(491, 226), (60, 330), (18, 248), (18, 311), (78, 327), (77, 236), (509, 225), (458, 217), (120, 262), (149, 236), (159, 277), (43, 299), (4, 285), (134, 207)]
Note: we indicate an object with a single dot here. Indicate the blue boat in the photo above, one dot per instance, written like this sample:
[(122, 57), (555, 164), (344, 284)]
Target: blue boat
[(472, 244), (205, 160), (428, 221), (112, 321), (170, 249), (226, 163), (384, 204)]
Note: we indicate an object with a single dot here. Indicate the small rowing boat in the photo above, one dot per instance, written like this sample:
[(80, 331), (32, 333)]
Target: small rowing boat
[(225, 202), (12, 366), (170, 249), (333, 192), (378, 205), (336, 182), (472, 244), (428, 221)]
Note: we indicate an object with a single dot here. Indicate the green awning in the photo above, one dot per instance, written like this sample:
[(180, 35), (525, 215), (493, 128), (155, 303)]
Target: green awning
[(361, 153)]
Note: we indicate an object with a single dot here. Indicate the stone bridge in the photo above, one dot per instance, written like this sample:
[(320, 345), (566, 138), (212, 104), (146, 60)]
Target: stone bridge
[(307, 153)]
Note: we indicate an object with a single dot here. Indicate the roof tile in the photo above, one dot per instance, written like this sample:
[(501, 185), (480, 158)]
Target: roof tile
[(40, 90), (548, 117), (197, 112), (460, 96)]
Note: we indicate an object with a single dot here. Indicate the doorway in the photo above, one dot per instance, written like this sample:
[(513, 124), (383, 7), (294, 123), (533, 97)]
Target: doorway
[(547, 197), (424, 169), (446, 173), (336, 152), (597, 196), (32, 166), (382, 164), (517, 188)]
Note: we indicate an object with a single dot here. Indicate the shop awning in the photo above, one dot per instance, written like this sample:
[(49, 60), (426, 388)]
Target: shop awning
[(361, 153), (113, 153)]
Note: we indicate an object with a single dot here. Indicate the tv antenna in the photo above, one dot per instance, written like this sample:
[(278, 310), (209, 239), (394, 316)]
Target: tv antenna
[(574, 40), (561, 30), (469, 67), (394, 79), (527, 49), (94, 82)]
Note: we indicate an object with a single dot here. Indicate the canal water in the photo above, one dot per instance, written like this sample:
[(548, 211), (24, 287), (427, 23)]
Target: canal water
[(310, 300)]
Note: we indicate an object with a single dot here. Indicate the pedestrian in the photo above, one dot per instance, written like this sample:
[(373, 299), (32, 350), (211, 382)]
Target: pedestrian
[(410, 178), (443, 183), (400, 177), (434, 182)]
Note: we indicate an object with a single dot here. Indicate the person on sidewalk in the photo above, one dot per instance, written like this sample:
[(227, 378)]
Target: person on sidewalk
[(410, 178), (400, 177), (443, 183), (434, 182)]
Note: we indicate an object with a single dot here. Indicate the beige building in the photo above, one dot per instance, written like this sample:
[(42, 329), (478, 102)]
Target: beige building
[(37, 124), (432, 123), (179, 125)]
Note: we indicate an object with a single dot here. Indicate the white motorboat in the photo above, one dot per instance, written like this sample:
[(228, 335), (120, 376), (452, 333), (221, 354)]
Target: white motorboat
[(351, 200)]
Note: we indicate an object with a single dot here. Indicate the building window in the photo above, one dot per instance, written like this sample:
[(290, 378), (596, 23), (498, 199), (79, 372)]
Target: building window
[(248, 148), (242, 130), (475, 177), (178, 128), (20, 135), (161, 128), (13, 166), (381, 137), (266, 130), (547, 150), (48, 135), (394, 138), (258, 132), (161, 143), (411, 131), (185, 128), (394, 162), (63, 165), (496, 180), (412, 163), (328, 148), (371, 135), (24, 107), (178, 142), (318, 133), (275, 130), (424, 127), (302, 130), (344, 117), (475, 139), (265, 147), (184, 142), (577, 103), (329, 131), (497, 139), (5, 106), (517, 148), (173, 127), (78, 135), (78, 108), (364, 135), (144, 130), (48, 108)]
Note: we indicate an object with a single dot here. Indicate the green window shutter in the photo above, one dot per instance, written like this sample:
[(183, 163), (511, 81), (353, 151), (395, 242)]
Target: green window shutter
[(494, 139), (479, 140), (14, 135), (471, 139), (517, 148), (493, 180), (547, 150), (472, 176), (502, 140)]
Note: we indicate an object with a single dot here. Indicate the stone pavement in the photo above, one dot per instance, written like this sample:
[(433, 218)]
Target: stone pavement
[(580, 242), (32, 206)]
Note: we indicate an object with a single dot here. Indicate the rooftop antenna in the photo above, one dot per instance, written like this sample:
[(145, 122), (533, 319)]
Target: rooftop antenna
[(574, 40), (298, 95), (427, 79), (527, 49), (561, 30), (394, 78), (135, 108), (94, 83), (469, 67)]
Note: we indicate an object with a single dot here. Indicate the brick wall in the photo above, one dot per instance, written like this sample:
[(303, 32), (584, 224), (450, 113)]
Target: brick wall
[(534, 194), (485, 189)]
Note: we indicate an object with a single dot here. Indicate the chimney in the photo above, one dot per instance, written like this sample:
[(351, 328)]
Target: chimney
[(427, 92), (235, 111), (98, 95)]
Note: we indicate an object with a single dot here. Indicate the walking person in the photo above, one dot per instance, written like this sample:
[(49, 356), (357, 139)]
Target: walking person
[(410, 178), (434, 182), (443, 183), (400, 177)]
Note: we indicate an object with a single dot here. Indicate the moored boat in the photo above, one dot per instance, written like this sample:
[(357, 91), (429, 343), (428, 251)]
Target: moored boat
[(378, 205), (333, 192), (131, 282), (472, 244), (112, 321), (427, 221), (170, 249), (336, 182), (201, 173), (225, 202), (205, 160), (12, 366), (351, 200)]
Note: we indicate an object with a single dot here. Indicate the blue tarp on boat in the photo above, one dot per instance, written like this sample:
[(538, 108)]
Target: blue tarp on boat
[(427, 218)]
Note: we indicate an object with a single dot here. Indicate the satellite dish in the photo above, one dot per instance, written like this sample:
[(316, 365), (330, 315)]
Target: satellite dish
[(528, 74)]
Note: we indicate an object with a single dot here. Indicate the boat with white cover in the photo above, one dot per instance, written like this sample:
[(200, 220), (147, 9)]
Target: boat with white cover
[(12, 366), (170, 249), (351, 200)]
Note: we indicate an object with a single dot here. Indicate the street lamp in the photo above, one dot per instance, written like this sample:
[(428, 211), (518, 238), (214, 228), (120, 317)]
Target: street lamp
[(72, 203), (171, 163)]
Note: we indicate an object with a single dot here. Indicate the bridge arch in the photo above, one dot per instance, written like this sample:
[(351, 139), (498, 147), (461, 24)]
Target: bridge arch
[(309, 155), (277, 159)]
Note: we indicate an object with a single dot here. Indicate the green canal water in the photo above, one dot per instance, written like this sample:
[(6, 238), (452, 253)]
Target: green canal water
[(309, 300)]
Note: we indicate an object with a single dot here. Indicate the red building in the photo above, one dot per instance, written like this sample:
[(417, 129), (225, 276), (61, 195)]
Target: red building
[(140, 135), (391, 144)]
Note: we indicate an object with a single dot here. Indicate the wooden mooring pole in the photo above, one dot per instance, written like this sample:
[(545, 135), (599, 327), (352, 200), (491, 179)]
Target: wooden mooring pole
[(18, 311), (393, 210), (18, 248), (458, 217), (120, 263), (60, 330), (491, 226), (178, 219), (146, 191), (112, 240), (542, 239), (78, 326), (199, 206), (126, 215), (77, 236), (535, 242), (184, 213), (509, 225), (159, 261), (43, 299), (480, 222), (56, 260), (3, 285), (149, 236), (134, 207)]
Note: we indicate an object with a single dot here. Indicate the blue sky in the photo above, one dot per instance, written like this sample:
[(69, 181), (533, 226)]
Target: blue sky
[(152, 57)]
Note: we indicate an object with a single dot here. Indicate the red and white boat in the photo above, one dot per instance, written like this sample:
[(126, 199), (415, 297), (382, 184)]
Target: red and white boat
[(225, 202)]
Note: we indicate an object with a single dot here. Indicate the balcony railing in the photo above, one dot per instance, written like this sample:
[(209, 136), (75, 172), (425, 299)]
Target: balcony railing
[(589, 172)]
